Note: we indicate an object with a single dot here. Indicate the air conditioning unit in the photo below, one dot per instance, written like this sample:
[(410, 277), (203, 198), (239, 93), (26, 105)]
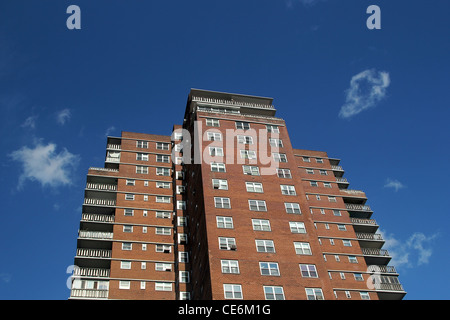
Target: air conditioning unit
[(232, 247)]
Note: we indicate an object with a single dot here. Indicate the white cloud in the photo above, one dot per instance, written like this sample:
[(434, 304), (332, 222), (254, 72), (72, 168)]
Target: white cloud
[(109, 131), (366, 89), (415, 251), (306, 3), (29, 122), (395, 184), (63, 116), (44, 165)]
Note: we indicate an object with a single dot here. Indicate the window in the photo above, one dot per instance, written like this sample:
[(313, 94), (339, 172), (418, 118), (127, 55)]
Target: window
[(181, 205), (272, 129), (313, 184), (332, 199), (162, 214), (224, 222), (163, 185), (142, 156), (245, 139), (314, 294), (223, 203), (276, 143), (128, 229), (254, 187), (284, 173), (142, 144), (242, 125), (178, 136), (183, 257), (273, 293), (288, 190), (280, 157), (358, 276), (341, 227), (352, 259), (308, 271), (306, 159), (327, 185), (230, 266), (297, 227), (181, 189), (179, 175), (125, 265), (162, 158), (212, 123), (142, 169), (347, 294), (144, 229), (163, 286), (346, 243), (292, 208), (162, 146), (184, 276), (218, 167), (130, 182), (163, 172), (216, 151), (214, 136), (129, 196), (364, 295), (232, 291), (163, 248), (248, 154), (227, 243), (319, 160), (185, 295), (163, 231), (124, 285), (220, 184), (264, 246), (142, 285), (126, 245), (163, 266), (323, 172), (181, 221), (302, 248), (309, 171), (257, 205), (143, 265), (336, 212), (261, 225), (162, 199), (128, 212), (269, 269), (251, 170)]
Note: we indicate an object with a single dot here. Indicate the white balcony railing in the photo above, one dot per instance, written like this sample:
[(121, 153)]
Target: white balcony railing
[(93, 253), (368, 236), (91, 272), (358, 207), (89, 293), (363, 221), (97, 217), (100, 202), (113, 146), (381, 269), (375, 252), (339, 168), (104, 169), (101, 186), (95, 235)]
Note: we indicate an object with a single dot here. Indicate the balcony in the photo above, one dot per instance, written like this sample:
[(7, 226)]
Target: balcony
[(113, 146), (85, 234), (338, 171), (364, 225), (100, 202), (104, 169), (91, 272), (375, 256), (370, 240), (89, 293), (101, 186), (342, 182), (358, 210), (382, 269), (94, 217), (93, 253)]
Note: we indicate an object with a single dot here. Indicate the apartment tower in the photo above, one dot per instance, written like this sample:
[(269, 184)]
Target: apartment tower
[(226, 208)]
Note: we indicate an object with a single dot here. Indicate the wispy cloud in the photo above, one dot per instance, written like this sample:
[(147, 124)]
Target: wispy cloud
[(415, 251), (290, 3), (5, 277), (63, 116), (110, 130), (395, 184), (29, 122), (367, 88), (43, 164)]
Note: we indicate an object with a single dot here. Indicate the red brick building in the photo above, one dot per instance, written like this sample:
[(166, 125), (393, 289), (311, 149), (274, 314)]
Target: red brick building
[(226, 208)]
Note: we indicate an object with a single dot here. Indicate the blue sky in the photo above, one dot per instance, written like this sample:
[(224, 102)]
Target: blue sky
[(377, 99)]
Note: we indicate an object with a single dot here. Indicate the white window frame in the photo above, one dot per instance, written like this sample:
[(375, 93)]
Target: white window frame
[(220, 184), (227, 243), (271, 267), (310, 272), (276, 142), (273, 293), (258, 205), (162, 146), (163, 158), (163, 199), (302, 248), (292, 208), (297, 227), (267, 245), (232, 291), (222, 203), (251, 170), (124, 284), (272, 128), (279, 157), (284, 173), (248, 154), (288, 190), (256, 187), (216, 151), (212, 122), (242, 125), (142, 144), (214, 136), (261, 225), (141, 156), (230, 266), (244, 139), (162, 171), (163, 286), (142, 169), (218, 167), (224, 222)]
